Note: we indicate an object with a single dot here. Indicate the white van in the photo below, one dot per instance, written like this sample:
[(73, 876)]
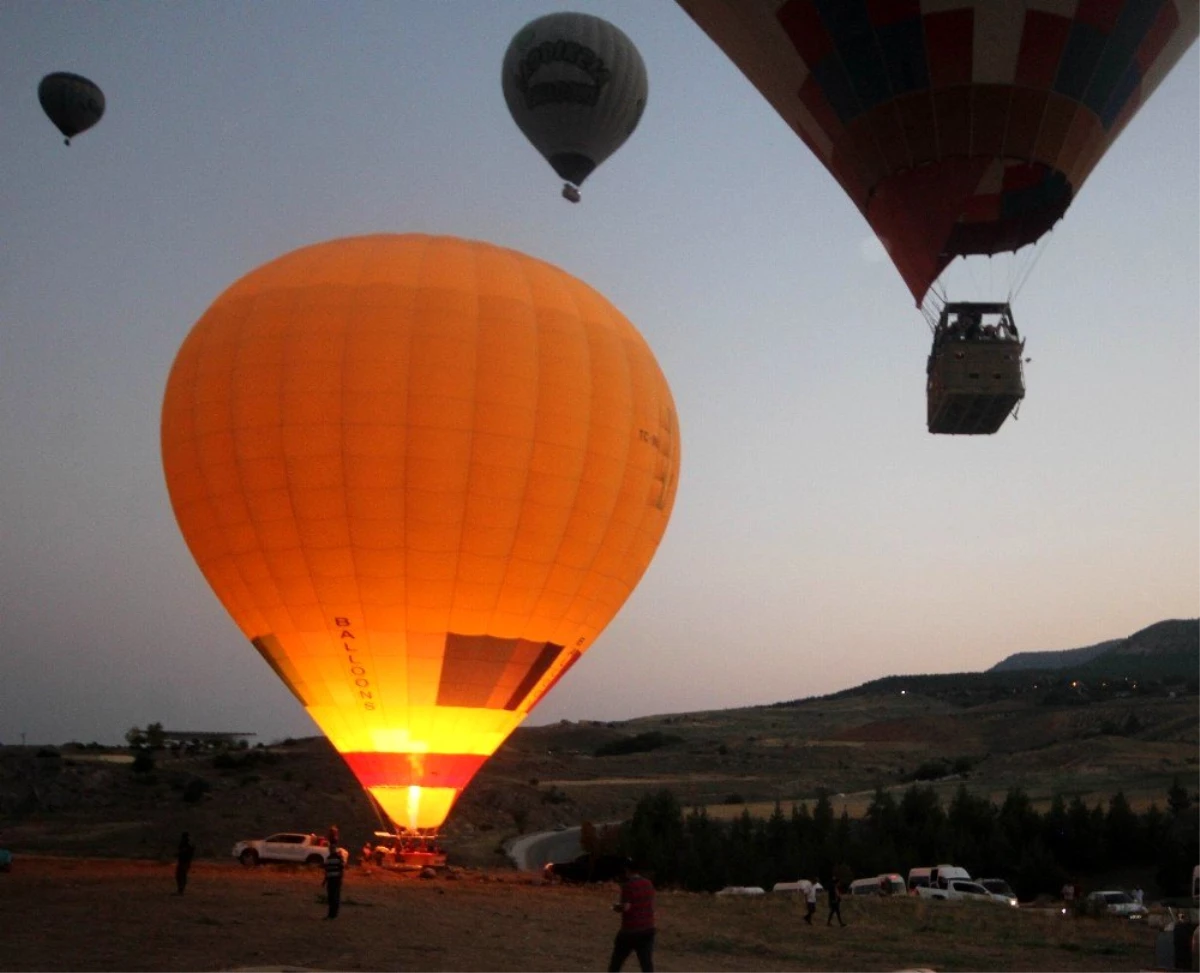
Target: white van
[(865, 886), (800, 888), (889, 883)]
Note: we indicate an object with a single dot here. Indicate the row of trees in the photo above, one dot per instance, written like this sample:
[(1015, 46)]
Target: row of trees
[(1037, 852)]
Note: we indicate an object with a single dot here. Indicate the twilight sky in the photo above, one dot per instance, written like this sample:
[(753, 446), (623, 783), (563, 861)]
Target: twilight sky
[(821, 537)]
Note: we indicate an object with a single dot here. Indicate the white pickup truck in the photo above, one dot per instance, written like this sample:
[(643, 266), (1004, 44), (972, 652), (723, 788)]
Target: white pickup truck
[(287, 846), (957, 889)]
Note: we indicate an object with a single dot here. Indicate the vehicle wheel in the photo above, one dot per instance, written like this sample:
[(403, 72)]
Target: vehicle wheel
[(314, 860), (249, 857)]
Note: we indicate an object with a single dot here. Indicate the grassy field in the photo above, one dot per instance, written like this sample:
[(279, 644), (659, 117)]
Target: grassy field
[(89, 914)]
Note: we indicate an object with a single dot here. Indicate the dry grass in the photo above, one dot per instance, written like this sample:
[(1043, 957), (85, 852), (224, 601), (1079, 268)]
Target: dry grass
[(75, 914)]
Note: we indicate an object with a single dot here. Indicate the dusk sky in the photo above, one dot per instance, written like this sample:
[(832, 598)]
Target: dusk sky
[(820, 538)]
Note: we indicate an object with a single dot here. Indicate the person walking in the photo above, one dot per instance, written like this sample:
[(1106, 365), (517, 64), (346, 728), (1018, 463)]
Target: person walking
[(810, 901), (835, 902), (183, 861), (636, 906), (335, 869)]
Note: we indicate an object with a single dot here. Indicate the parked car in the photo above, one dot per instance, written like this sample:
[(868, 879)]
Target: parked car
[(585, 868), (1116, 903), (287, 846), (1000, 889)]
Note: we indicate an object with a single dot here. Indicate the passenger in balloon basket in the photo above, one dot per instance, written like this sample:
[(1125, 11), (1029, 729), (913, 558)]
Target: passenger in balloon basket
[(335, 869), (636, 907)]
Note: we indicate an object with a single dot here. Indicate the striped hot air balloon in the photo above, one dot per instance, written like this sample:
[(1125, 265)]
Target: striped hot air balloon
[(957, 127)]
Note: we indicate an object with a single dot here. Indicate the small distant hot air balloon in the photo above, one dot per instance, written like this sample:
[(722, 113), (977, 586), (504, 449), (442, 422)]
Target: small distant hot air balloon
[(72, 102), (576, 86), (422, 474)]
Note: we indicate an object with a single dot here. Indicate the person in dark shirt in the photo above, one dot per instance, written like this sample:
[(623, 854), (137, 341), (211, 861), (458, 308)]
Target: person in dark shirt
[(183, 861), (335, 868), (835, 902), (636, 934)]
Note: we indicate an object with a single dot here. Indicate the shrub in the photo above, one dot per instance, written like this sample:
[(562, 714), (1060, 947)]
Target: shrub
[(642, 743), (555, 795), (143, 763), (195, 789)]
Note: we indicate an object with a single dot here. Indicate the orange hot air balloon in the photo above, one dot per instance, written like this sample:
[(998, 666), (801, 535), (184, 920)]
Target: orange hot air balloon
[(422, 474)]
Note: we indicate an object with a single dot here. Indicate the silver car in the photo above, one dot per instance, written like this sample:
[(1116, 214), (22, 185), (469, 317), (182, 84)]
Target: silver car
[(1117, 903)]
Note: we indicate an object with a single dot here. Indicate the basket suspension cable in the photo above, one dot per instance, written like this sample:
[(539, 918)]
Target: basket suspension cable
[(931, 307), (1039, 248)]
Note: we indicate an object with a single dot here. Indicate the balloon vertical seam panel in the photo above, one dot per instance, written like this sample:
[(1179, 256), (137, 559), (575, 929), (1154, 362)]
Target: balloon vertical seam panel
[(208, 540)]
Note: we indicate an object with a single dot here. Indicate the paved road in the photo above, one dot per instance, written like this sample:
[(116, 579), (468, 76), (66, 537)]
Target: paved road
[(531, 851)]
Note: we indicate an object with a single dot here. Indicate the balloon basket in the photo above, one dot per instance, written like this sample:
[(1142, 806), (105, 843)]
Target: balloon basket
[(974, 371)]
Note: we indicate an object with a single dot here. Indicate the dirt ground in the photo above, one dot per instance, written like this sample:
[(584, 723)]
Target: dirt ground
[(96, 914)]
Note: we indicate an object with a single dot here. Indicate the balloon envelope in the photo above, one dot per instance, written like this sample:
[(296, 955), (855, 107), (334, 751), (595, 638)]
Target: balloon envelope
[(958, 127), (72, 102), (422, 474), (576, 86)]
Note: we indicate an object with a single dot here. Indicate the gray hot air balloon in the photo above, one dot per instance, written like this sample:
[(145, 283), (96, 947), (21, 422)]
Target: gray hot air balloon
[(72, 102), (576, 86)]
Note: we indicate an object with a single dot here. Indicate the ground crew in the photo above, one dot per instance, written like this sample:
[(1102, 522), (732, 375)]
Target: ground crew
[(335, 868)]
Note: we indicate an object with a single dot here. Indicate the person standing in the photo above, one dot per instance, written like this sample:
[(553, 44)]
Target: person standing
[(810, 901), (183, 861), (335, 869), (835, 902), (636, 906)]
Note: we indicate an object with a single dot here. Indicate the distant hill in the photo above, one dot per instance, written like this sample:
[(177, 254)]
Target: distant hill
[(1158, 649), (1060, 659), (1161, 659)]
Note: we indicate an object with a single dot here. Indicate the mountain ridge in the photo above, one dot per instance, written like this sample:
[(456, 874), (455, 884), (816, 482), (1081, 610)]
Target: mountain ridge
[(1168, 637)]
